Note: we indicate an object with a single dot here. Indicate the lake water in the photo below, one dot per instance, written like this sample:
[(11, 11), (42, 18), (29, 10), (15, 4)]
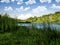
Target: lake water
[(39, 25)]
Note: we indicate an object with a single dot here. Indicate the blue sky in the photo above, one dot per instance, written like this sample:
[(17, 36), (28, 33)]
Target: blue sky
[(23, 9)]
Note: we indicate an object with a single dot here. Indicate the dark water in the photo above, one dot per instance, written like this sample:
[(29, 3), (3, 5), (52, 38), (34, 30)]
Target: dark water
[(39, 25)]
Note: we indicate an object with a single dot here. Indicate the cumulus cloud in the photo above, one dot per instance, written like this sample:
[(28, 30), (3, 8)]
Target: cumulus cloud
[(6, 1), (25, 16), (54, 6), (8, 8), (30, 2), (57, 1), (12, 0), (19, 1), (39, 9), (20, 9), (27, 8), (34, 12), (42, 1)]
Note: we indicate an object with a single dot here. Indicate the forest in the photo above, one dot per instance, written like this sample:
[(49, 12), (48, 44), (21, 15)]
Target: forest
[(12, 34)]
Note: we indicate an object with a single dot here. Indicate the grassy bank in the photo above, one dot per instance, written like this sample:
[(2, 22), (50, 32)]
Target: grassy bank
[(29, 36)]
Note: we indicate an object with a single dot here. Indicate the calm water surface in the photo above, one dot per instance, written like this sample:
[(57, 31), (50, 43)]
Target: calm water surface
[(39, 25)]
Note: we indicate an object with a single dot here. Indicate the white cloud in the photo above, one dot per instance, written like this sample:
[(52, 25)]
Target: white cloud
[(39, 9), (42, 1), (54, 6), (6, 1), (19, 1), (25, 16), (19, 9), (22, 9), (27, 8), (8, 8), (57, 1), (34, 12), (12, 0), (30, 2)]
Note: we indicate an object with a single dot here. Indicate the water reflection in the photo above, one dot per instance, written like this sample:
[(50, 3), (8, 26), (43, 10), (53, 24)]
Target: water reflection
[(39, 25)]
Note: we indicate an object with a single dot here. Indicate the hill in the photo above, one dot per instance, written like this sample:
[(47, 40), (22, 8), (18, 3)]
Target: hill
[(51, 18)]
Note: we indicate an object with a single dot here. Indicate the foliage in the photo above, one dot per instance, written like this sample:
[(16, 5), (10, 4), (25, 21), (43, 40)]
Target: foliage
[(7, 24)]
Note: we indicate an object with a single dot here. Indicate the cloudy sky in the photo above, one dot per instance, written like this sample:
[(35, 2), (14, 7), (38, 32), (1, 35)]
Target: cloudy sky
[(23, 9)]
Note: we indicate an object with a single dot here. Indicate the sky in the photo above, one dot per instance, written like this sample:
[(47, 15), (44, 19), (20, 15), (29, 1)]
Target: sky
[(23, 9)]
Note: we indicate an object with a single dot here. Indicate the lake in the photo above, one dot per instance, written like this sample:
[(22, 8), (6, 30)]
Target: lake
[(39, 25)]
